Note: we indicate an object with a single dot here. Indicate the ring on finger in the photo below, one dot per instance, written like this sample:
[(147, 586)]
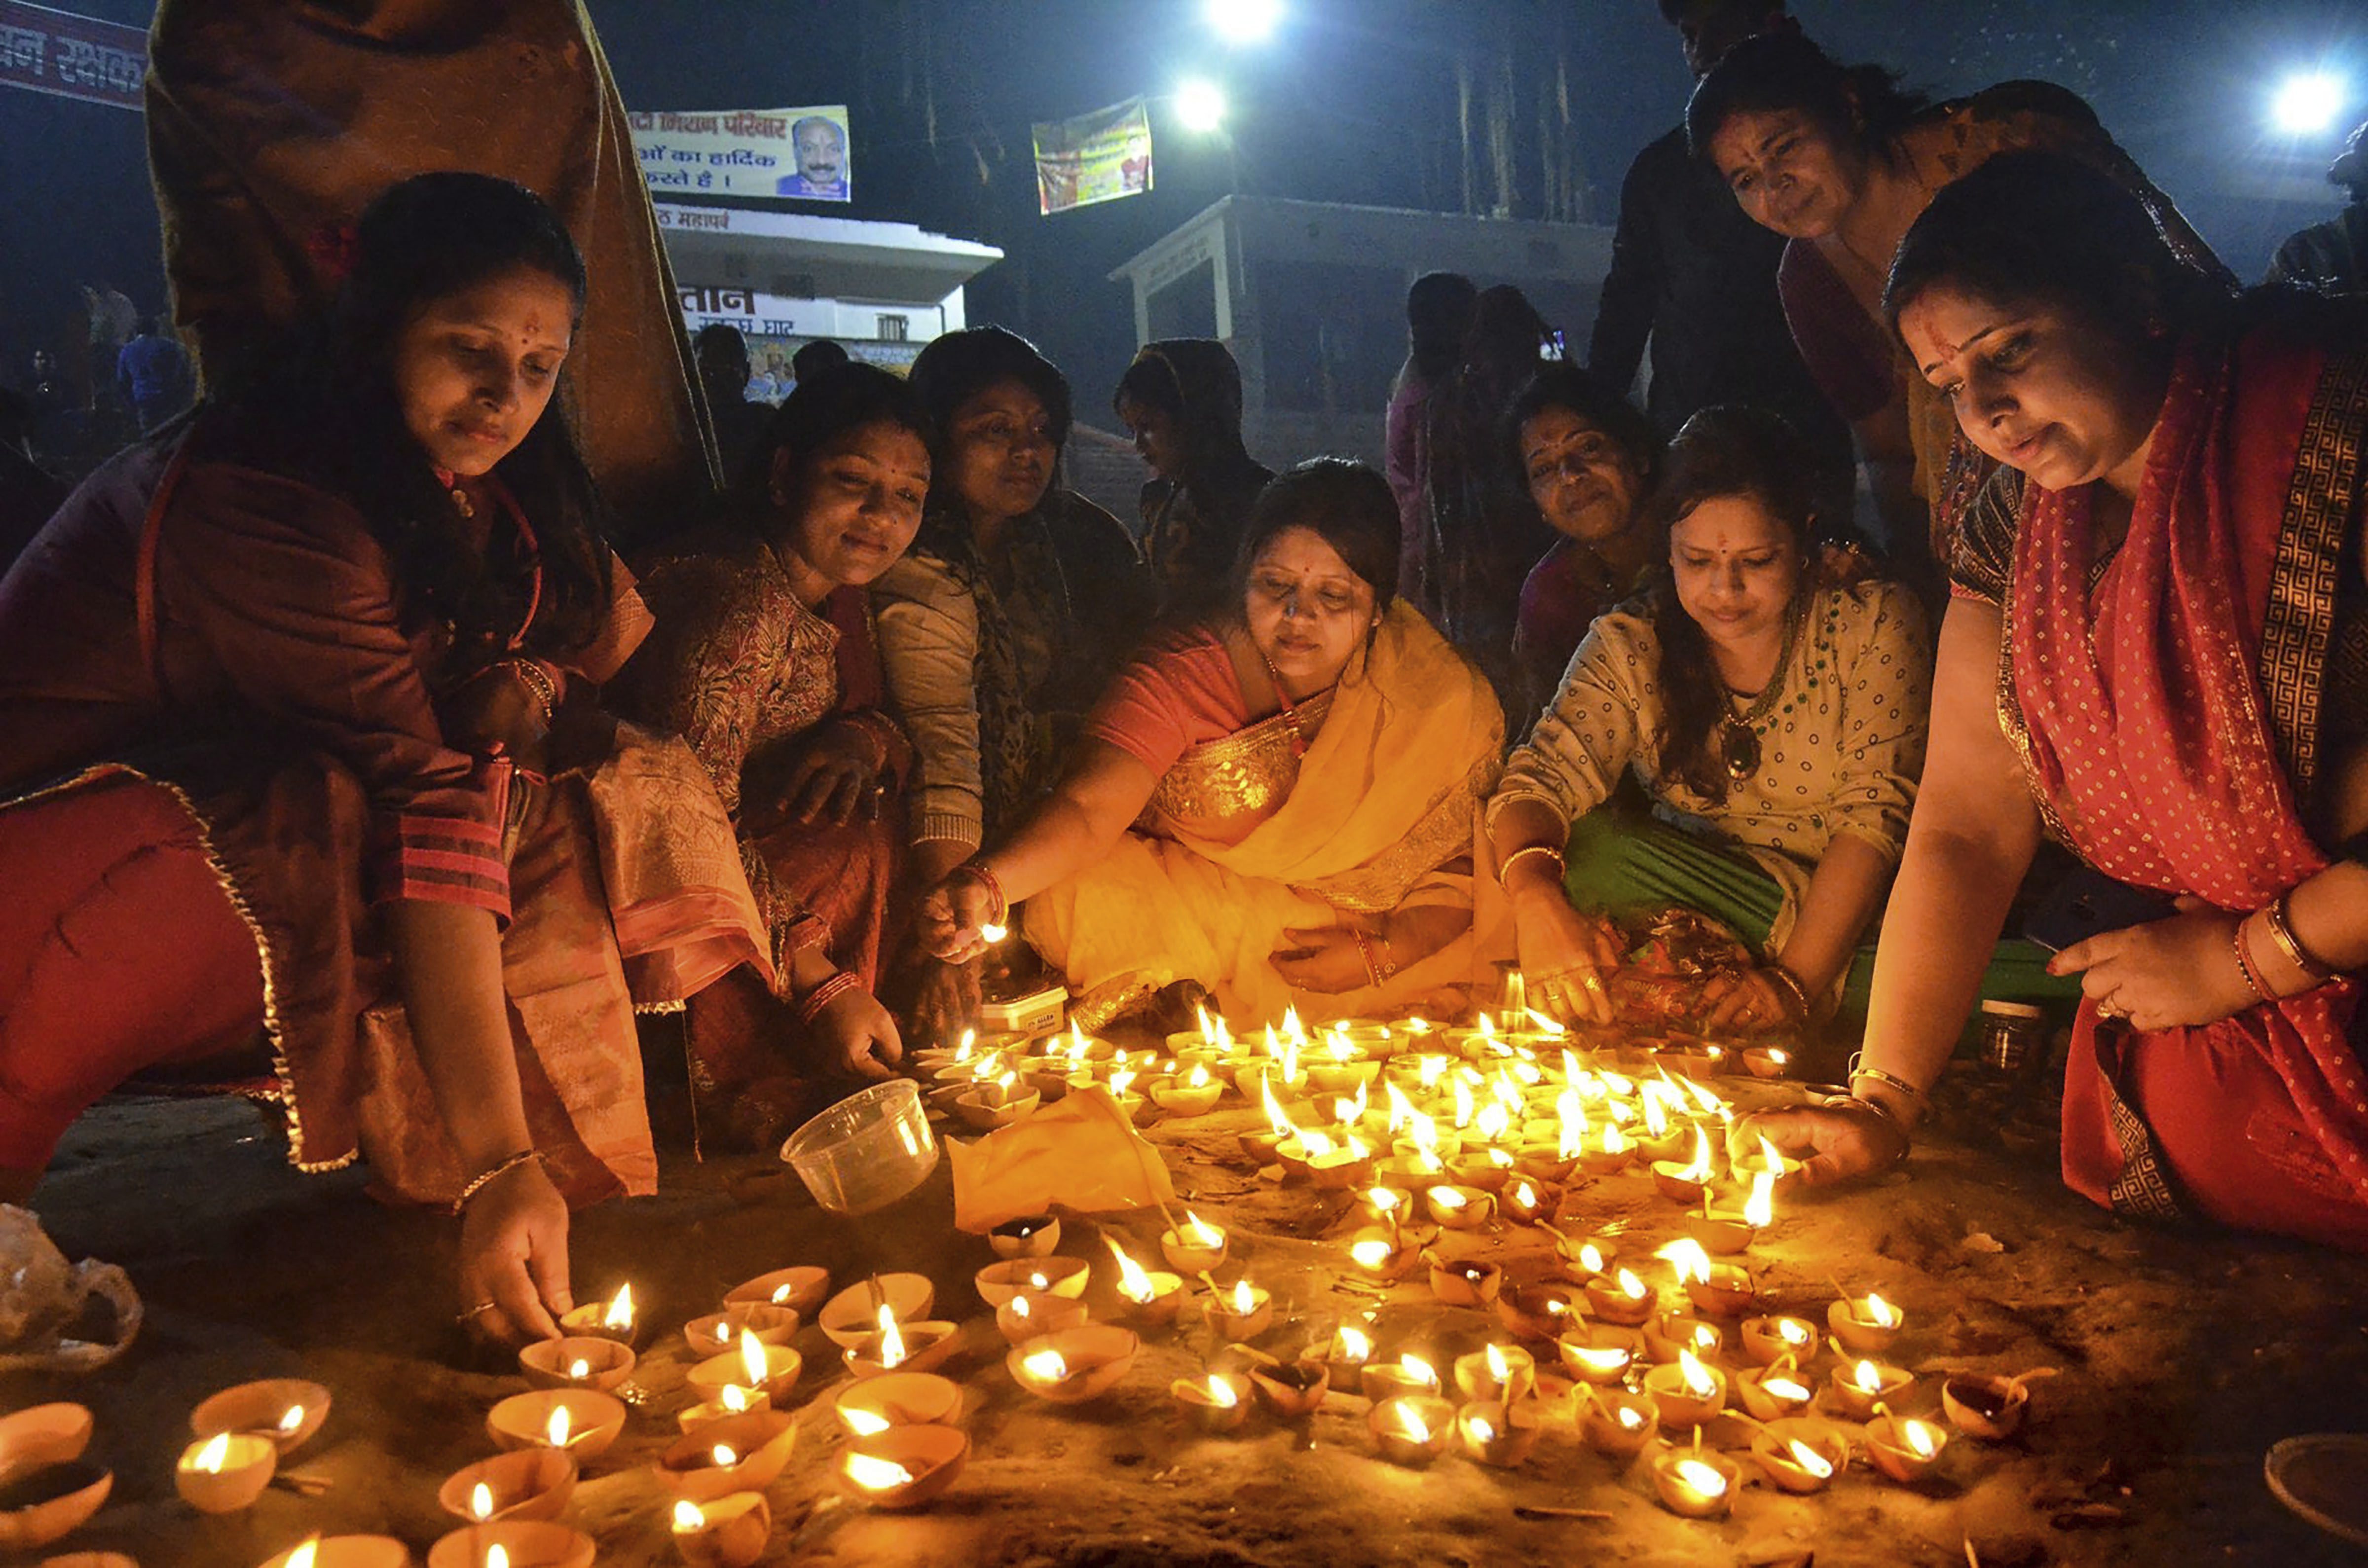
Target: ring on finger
[(473, 1314)]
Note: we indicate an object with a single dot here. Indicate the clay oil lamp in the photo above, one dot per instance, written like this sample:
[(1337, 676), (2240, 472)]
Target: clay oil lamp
[(719, 1332), (580, 1422), (1609, 1152), (1492, 1433), (1382, 1254), (1770, 1339), (1989, 1407), (1457, 1208), (1904, 1448), (800, 1290), (894, 1346), (289, 1411), (1866, 1326), (343, 1552), (1665, 1137), (1291, 1388), (1617, 1424), (1033, 1312), (612, 1319), (47, 1489), (1348, 1353), (1411, 1430), (1150, 1296), (730, 1400), (769, 1369), (1859, 1387), (578, 1361), (998, 1282), (1242, 1313), (1193, 1247), (1667, 1333), (1131, 1102), (904, 1467), (1687, 1392), (1196, 1092), (1030, 1236), (998, 1102), (1725, 1232), (728, 1532), (1696, 1483), (1597, 1354), (1503, 1373), (1800, 1455), (1408, 1375), (1765, 1061), (1075, 1365), (1773, 1392), (1623, 1298), (852, 1316), (1214, 1402), (1525, 1202), (531, 1484), (514, 1543), (1463, 1282), (1685, 1182), (897, 1399), (1538, 1312), (1584, 1257), (1481, 1170), (1549, 1162), (225, 1472), (745, 1453), (1261, 1147), (1328, 1164), (1338, 1067)]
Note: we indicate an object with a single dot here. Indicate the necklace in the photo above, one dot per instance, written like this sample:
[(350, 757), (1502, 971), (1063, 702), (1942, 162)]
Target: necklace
[(1290, 709), (1739, 732)]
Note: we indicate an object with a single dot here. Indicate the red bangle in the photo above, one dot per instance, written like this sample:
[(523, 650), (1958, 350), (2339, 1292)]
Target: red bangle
[(976, 871), (2245, 963), (810, 1006)]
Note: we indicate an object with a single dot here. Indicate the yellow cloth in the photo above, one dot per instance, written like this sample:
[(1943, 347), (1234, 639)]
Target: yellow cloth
[(1081, 1154), (1384, 814)]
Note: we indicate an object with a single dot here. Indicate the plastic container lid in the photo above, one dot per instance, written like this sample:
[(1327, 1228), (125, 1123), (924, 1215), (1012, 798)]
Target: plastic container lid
[(867, 1150), (2013, 1009)]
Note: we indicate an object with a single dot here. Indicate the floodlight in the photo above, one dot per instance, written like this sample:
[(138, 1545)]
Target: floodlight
[(2308, 102), (1200, 106), (1243, 22)]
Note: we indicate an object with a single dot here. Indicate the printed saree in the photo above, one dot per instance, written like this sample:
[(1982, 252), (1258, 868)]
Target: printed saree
[(2170, 705), (1248, 839)]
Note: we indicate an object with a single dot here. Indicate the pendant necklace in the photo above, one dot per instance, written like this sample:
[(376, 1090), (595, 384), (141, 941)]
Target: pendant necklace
[(1739, 732), (1290, 709)]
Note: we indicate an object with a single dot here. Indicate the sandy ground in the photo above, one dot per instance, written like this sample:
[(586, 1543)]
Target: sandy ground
[(2183, 1356)]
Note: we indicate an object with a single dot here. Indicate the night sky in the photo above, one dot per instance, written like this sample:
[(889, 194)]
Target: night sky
[(1352, 100)]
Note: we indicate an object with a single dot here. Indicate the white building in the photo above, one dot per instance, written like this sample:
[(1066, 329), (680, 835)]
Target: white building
[(785, 278), (1311, 299)]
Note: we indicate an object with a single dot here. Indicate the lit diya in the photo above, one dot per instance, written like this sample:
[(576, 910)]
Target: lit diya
[(1503, 1373), (1623, 1298), (769, 1369), (743, 1453), (289, 1411), (344, 1552), (1242, 1313), (225, 1472), (730, 1400), (612, 1319), (1721, 1289), (575, 1361), (531, 1484), (1866, 1326), (801, 1289), (1859, 1387), (728, 1532), (874, 1405), (852, 1316), (1075, 1365), (1214, 1402), (1383, 1254), (1688, 1392), (1726, 1232), (1349, 1350), (1151, 1296), (1410, 1374), (1584, 1257), (1904, 1448), (1030, 1236), (719, 1332), (904, 1467), (1800, 1455), (1770, 1394), (1538, 1312), (1597, 1354), (513, 1544), (998, 1282), (1668, 1334), (1463, 1282), (1524, 1201), (1492, 1433), (1456, 1207), (1033, 1312), (892, 1347), (1767, 1339), (1196, 1092), (1685, 1181), (1696, 1483), (1411, 1430), (1617, 1424), (580, 1423)]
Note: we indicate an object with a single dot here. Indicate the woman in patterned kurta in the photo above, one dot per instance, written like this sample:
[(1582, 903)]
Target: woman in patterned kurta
[(763, 660), (1777, 725)]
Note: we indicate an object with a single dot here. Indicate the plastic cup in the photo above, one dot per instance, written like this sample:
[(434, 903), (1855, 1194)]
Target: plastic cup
[(867, 1150)]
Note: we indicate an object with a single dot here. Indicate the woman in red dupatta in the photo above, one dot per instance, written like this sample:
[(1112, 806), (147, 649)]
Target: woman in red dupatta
[(2154, 654)]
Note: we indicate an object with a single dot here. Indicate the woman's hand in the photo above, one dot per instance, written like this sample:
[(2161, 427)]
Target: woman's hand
[(946, 1001), (1323, 959), (860, 1033), (1836, 1141), (514, 1257), (839, 773), (1751, 1000), (2166, 973), (952, 918), (1565, 956)]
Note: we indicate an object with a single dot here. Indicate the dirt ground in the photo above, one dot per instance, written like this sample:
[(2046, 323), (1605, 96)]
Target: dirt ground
[(2183, 1358)]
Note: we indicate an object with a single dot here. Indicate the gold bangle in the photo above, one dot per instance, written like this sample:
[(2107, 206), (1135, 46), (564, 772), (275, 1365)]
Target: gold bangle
[(1505, 871), (1888, 1080), (2281, 932), (485, 1178), (1792, 982)]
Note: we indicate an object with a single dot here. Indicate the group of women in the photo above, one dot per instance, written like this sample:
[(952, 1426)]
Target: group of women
[(336, 747)]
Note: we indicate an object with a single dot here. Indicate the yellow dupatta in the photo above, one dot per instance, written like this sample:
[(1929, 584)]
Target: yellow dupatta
[(1386, 798)]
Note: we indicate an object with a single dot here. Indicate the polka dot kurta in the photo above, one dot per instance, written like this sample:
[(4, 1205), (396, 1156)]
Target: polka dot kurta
[(1841, 742)]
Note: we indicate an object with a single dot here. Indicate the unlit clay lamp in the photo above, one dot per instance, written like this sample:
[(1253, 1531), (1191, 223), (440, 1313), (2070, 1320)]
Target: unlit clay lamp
[(289, 1411), (225, 1472), (745, 1453), (578, 1361), (531, 1484), (1214, 1401), (1492, 1433), (521, 1543), (1904, 1448), (1989, 1407), (1800, 1456), (729, 1532), (1866, 1326), (1411, 1430), (1695, 1483), (50, 1491), (904, 1467), (1291, 1388), (580, 1423)]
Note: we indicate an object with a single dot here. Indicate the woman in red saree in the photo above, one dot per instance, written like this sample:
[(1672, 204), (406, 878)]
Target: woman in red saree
[(299, 742), (2154, 653)]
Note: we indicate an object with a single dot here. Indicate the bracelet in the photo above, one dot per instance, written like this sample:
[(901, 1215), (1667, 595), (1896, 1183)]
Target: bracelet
[(2280, 920), (485, 1178), (976, 871), (1505, 871), (539, 685), (1884, 1113), (2245, 963), (811, 1005), (1378, 972), (1792, 982), (1888, 1080)]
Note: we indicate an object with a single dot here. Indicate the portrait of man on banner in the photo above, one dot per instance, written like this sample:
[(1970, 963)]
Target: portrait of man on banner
[(820, 144)]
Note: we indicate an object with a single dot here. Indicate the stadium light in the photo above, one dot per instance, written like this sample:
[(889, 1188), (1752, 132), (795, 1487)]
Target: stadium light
[(2308, 102), (1243, 22), (1200, 106)]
